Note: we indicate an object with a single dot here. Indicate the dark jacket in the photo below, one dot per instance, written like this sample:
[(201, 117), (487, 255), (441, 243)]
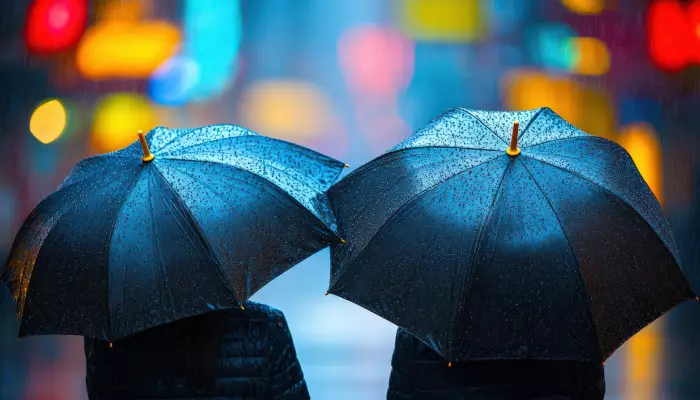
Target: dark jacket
[(418, 372), (253, 358)]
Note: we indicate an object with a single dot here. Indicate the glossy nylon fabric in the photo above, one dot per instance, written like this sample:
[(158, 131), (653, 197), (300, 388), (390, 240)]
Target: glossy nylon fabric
[(124, 245), (559, 253)]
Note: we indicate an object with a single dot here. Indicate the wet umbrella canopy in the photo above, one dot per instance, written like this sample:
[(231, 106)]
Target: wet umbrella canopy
[(200, 221), (550, 246)]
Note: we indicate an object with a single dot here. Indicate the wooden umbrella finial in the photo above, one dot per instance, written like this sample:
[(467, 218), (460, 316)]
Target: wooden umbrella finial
[(513, 150), (147, 156)]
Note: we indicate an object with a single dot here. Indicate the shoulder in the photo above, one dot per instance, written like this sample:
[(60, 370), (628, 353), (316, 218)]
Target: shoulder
[(253, 312), (263, 311)]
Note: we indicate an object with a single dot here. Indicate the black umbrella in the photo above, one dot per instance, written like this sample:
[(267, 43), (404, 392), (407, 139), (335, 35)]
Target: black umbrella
[(200, 221), (555, 250)]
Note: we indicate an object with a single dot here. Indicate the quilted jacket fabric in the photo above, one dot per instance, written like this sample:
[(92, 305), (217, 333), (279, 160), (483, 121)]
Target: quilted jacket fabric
[(419, 373), (256, 360)]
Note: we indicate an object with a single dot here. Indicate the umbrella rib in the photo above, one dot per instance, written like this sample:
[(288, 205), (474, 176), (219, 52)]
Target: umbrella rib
[(623, 201), (154, 226), (285, 173), (484, 124), (388, 187), (612, 193), (245, 133), (88, 176), (109, 248), (477, 245), (573, 256), (587, 136), (534, 117), (642, 199), (219, 268), (294, 199), (409, 201), (381, 160)]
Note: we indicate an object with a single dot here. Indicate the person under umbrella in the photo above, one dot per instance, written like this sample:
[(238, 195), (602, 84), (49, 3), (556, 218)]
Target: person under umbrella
[(485, 242), (181, 223), (419, 372)]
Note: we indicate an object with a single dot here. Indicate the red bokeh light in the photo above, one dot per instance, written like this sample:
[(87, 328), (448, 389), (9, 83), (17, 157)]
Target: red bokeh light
[(54, 25), (673, 32)]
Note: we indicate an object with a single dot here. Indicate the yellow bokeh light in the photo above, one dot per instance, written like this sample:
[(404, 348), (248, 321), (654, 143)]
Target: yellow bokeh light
[(642, 143), (643, 353), (114, 49), (118, 118), (643, 363), (442, 20), (593, 56), (532, 89), (589, 7), (588, 109), (285, 109), (48, 121)]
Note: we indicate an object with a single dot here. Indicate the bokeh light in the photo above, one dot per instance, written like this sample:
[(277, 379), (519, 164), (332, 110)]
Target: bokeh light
[(442, 20), (589, 109), (117, 119), (208, 25), (48, 121), (117, 49), (643, 352), (172, 83), (549, 45), (526, 90), (54, 25), (589, 7), (642, 143), (376, 60), (672, 34), (592, 56), (286, 109)]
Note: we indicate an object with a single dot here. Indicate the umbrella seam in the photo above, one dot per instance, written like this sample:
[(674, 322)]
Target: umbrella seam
[(640, 198), (163, 150), (282, 198), (292, 145), (154, 226), (88, 176), (690, 291), (409, 201), (573, 254), (466, 285), (534, 117), (464, 110), (586, 136), (401, 177), (379, 161), (612, 193), (109, 246), (295, 178), (201, 232), (299, 204)]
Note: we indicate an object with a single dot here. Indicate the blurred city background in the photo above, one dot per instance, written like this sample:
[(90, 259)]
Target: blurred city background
[(349, 78)]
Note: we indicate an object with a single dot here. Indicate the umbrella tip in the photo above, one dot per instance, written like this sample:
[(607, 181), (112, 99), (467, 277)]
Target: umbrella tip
[(242, 308), (697, 298), (513, 150), (147, 156), (342, 240), (449, 364), (346, 166), (110, 345), (325, 294)]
